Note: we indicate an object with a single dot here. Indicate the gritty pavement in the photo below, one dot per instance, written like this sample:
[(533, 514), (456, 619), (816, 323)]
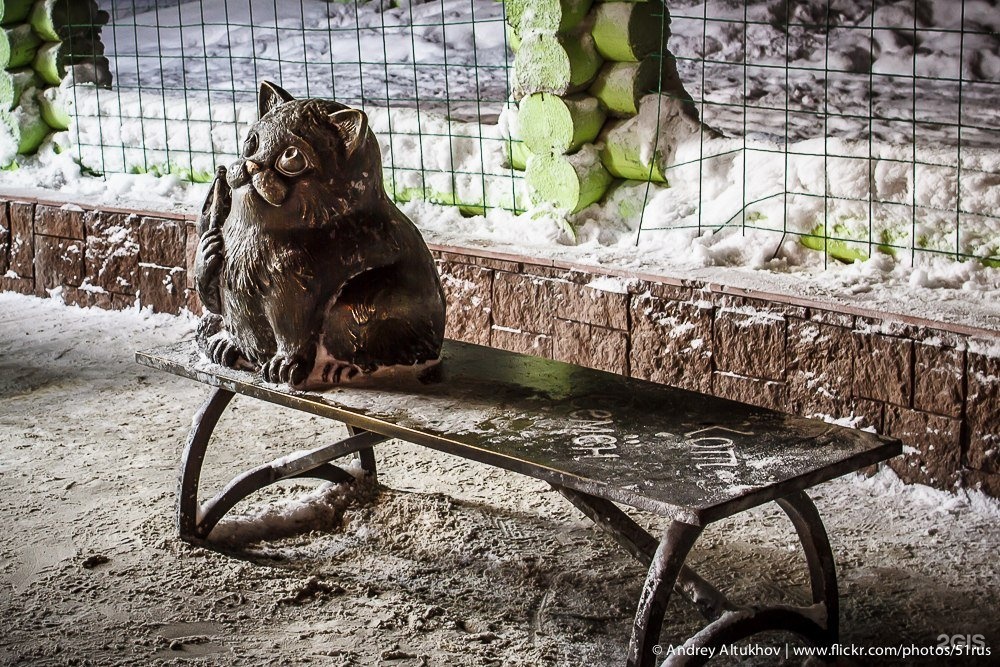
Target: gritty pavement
[(448, 563)]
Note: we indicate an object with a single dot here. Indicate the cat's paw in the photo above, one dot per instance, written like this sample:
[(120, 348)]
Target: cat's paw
[(335, 372), (281, 369), (217, 205), (210, 252), (208, 269), (222, 350)]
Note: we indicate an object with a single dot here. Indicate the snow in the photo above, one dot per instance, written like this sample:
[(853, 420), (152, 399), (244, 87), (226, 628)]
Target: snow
[(308, 511), (737, 204), (885, 484), (609, 284), (138, 321)]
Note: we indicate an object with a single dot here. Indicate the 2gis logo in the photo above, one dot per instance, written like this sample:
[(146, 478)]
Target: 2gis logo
[(963, 644)]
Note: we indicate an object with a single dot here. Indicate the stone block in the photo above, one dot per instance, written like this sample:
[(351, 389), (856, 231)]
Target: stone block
[(163, 242), (819, 368), (62, 221), (663, 290), (982, 411), (112, 256), (123, 301), (524, 302), (987, 482), (190, 252), (671, 342), (866, 414), (764, 308), (592, 305), (4, 238), (19, 285), (537, 345), (831, 317), (74, 296), (479, 260), (931, 446), (58, 262), (882, 368), (557, 273), (937, 379), (162, 289), (878, 325), (925, 335), (22, 239), (755, 391), (750, 343), (468, 290), (194, 303), (591, 346)]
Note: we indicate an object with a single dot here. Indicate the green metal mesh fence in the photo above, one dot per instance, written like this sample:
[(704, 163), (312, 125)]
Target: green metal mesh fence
[(186, 77), (842, 127), (878, 120)]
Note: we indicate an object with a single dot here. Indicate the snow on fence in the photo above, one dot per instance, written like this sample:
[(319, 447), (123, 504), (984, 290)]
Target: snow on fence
[(717, 131)]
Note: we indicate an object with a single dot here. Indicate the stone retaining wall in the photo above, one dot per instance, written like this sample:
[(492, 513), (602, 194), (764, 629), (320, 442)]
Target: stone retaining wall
[(937, 387)]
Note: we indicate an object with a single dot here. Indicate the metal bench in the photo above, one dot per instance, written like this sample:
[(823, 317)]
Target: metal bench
[(597, 438)]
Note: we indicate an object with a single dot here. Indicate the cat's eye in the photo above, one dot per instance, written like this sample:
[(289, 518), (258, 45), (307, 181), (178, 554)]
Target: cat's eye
[(292, 162), (250, 145)]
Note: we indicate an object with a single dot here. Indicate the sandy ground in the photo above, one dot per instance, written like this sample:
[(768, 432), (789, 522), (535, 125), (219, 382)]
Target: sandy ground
[(451, 563)]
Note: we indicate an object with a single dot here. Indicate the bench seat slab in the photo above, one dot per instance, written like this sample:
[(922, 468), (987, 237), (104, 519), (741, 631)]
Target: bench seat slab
[(683, 455)]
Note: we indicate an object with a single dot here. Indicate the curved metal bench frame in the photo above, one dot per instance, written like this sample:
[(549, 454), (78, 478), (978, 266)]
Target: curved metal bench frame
[(728, 622), (195, 520)]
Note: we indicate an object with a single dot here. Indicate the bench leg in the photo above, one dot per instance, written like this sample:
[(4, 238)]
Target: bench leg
[(202, 426), (667, 563), (728, 622), (196, 520), (817, 623), (367, 456), (819, 557), (642, 546)]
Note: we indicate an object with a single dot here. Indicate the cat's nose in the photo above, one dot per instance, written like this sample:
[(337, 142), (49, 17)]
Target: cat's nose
[(252, 167)]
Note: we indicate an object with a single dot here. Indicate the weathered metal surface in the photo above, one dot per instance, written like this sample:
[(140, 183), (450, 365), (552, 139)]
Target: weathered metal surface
[(314, 463), (196, 520), (596, 438), (819, 557), (366, 456), (734, 626), (189, 475), (306, 268), (667, 562), (683, 455), (818, 622)]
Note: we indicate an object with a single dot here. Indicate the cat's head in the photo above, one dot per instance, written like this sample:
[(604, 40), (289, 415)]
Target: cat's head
[(306, 157)]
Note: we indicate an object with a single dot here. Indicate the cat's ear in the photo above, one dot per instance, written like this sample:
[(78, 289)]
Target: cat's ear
[(353, 127), (270, 97)]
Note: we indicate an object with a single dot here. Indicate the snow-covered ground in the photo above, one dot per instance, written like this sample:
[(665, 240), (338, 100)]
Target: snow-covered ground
[(854, 68), (738, 206), (454, 563)]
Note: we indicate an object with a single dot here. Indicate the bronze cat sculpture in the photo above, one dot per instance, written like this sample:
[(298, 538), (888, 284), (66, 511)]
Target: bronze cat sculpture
[(308, 271)]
